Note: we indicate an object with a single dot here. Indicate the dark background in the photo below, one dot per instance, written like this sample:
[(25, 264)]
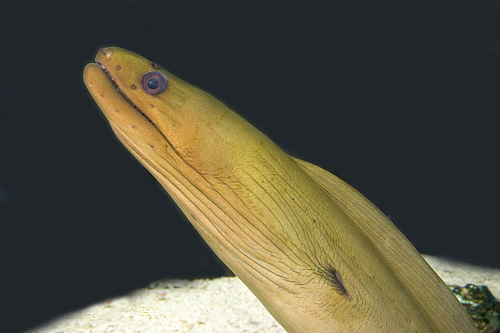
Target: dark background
[(398, 98)]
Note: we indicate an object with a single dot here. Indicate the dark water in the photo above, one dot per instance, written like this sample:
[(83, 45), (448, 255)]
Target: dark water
[(400, 100)]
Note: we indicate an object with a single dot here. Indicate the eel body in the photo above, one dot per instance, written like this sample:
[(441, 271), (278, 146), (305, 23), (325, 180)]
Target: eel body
[(317, 254)]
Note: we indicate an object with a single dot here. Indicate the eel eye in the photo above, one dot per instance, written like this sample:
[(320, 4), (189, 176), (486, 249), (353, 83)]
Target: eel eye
[(154, 82)]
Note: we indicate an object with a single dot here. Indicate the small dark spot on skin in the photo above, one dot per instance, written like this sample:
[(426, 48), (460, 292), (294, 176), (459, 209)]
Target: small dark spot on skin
[(293, 198), (334, 279), (151, 146), (151, 105), (119, 67), (102, 95), (153, 65), (133, 126), (116, 110), (133, 87), (314, 221)]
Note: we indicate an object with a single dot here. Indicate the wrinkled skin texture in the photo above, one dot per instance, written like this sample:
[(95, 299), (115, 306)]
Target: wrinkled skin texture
[(317, 254)]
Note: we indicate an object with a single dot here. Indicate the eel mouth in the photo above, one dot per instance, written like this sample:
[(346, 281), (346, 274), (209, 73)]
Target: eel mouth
[(124, 96)]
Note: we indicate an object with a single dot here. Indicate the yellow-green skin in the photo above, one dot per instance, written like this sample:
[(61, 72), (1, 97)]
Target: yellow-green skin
[(282, 225)]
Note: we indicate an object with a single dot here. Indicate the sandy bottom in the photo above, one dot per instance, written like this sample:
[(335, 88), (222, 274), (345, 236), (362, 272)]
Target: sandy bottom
[(220, 305)]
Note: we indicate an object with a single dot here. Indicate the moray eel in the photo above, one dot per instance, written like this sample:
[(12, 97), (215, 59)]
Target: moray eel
[(317, 254)]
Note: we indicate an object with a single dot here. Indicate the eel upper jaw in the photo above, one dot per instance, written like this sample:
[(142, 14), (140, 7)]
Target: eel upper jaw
[(129, 101), (124, 96)]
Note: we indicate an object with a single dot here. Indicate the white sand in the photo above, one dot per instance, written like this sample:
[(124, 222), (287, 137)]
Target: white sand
[(220, 305)]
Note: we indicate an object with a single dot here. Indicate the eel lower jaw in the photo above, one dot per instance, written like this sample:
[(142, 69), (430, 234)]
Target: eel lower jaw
[(124, 96)]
